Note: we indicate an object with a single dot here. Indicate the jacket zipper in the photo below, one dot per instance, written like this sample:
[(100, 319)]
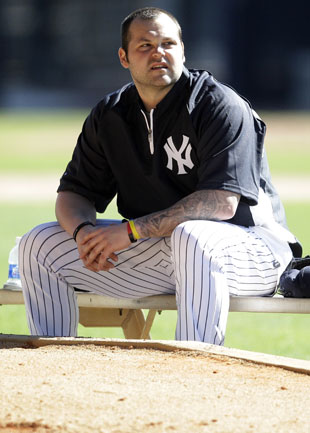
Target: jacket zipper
[(149, 126)]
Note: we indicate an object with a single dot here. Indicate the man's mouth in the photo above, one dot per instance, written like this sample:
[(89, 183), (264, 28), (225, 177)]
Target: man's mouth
[(159, 66)]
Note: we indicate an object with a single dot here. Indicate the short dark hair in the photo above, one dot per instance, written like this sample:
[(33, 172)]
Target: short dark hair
[(148, 13)]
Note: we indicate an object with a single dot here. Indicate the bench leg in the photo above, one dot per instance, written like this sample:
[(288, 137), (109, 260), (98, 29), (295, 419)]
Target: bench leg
[(148, 324), (132, 322)]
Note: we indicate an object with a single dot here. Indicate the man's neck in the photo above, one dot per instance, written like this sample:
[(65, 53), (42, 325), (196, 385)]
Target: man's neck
[(151, 99)]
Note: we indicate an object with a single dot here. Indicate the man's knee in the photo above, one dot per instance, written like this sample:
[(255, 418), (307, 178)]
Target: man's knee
[(43, 234), (186, 238), (194, 229), (202, 239)]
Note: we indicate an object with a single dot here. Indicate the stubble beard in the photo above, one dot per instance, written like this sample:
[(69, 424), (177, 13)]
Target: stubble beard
[(163, 82)]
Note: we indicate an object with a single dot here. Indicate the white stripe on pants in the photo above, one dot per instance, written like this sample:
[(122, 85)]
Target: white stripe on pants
[(202, 263)]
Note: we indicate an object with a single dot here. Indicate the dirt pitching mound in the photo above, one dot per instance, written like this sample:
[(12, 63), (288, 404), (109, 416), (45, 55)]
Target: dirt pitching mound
[(98, 388)]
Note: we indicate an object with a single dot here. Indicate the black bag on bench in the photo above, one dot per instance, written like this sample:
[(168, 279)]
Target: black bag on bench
[(295, 280)]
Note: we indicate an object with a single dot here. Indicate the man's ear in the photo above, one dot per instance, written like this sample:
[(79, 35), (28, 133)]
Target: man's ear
[(123, 58)]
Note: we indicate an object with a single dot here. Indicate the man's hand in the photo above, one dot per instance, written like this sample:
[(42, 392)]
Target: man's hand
[(98, 244)]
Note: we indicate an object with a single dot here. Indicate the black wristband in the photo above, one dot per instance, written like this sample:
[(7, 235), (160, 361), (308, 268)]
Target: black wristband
[(85, 223)]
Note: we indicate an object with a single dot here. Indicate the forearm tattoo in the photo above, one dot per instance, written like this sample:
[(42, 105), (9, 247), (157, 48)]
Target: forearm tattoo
[(204, 205)]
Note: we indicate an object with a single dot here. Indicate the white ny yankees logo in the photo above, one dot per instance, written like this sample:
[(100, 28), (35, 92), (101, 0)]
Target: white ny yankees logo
[(176, 154)]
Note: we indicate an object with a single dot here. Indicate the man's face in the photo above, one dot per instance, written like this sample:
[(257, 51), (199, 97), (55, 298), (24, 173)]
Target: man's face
[(155, 54)]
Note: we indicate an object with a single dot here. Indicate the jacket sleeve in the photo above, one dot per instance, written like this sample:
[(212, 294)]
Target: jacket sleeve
[(230, 145), (88, 173)]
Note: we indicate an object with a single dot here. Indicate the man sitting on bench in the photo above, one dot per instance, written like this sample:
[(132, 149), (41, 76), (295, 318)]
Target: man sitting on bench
[(184, 155)]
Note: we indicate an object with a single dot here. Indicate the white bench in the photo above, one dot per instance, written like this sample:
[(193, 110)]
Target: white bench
[(96, 310)]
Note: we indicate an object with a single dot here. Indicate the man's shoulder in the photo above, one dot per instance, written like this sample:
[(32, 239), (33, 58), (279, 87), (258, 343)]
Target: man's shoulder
[(206, 90), (119, 97), (203, 83)]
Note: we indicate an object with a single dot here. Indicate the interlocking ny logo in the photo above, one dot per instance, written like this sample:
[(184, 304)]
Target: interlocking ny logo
[(176, 154)]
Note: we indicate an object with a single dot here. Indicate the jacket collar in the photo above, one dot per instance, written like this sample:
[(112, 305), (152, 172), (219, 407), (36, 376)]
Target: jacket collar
[(176, 93)]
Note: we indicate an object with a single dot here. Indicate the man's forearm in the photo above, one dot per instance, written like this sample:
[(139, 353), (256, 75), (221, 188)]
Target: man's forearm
[(73, 209), (213, 205)]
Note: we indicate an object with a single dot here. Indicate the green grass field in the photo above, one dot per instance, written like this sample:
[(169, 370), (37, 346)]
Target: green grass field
[(43, 143)]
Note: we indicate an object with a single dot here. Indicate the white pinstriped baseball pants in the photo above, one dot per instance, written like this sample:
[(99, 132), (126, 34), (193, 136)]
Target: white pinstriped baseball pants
[(202, 263)]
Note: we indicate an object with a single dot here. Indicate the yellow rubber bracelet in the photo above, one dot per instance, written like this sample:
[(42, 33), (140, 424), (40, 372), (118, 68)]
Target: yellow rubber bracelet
[(134, 230)]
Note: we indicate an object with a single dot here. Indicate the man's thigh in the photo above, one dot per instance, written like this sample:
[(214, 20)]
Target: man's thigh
[(143, 269), (239, 254)]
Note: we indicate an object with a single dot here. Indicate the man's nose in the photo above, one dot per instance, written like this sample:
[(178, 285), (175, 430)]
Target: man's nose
[(158, 51)]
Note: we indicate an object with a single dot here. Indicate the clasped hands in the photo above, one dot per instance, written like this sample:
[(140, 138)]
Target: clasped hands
[(97, 246)]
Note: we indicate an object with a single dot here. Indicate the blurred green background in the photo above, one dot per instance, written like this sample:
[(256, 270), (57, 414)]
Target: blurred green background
[(37, 146)]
